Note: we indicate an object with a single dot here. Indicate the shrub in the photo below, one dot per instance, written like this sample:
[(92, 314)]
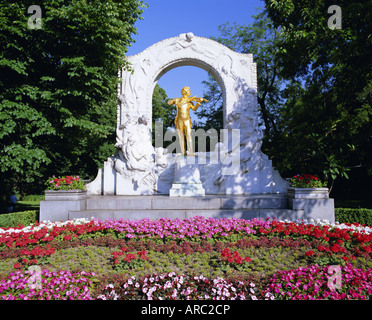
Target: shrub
[(12, 220), (33, 197), (349, 215)]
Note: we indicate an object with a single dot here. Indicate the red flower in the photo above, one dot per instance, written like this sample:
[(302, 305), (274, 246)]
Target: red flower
[(247, 259), (17, 265), (129, 257), (309, 253), (239, 260), (335, 248)]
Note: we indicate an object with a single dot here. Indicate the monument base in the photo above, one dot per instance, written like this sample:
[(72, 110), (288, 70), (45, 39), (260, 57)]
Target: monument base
[(187, 190), (186, 178), (162, 206)]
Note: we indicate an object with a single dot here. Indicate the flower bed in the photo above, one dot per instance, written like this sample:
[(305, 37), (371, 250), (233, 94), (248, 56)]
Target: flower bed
[(65, 183), (306, 181), (46, 285), (247, 259), (181, 287)]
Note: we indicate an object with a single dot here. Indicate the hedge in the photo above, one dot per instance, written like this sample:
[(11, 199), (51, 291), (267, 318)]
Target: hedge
[(349, 215), (13, 219)]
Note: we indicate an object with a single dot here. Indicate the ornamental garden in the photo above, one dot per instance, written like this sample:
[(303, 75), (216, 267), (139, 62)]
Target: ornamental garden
[(198, 258)]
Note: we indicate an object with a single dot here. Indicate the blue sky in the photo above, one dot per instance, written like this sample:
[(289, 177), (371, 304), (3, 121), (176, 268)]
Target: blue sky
[(168, 18)]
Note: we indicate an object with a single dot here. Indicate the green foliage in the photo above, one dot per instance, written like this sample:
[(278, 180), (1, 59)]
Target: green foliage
[(349, 215), (162, 111), (58, 86), (314, 85), (12, 220), (34, 198), (260, 39), (325, 123)]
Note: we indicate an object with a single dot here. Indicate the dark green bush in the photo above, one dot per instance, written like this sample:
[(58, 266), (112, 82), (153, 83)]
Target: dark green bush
[(13, 219), (349, 215)]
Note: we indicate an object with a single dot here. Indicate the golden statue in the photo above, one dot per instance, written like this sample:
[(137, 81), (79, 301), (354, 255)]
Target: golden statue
[(183, 120)]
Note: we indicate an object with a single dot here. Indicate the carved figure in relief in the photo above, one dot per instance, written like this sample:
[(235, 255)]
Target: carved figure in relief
[(183, 120)]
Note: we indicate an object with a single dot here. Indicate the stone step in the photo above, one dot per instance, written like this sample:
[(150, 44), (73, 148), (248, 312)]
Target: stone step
[(177, 203), (138, 214)]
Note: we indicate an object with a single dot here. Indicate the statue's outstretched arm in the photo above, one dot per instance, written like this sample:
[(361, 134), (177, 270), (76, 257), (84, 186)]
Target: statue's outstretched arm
[(198, 103)]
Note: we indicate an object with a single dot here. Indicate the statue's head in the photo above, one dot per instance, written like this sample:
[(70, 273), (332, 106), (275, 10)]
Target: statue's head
[(185, 91)]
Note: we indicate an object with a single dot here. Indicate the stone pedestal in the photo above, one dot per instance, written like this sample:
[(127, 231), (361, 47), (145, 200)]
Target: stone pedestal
[(69, 195), (308, 193), (315, 203), (187, 181), (58, 204)]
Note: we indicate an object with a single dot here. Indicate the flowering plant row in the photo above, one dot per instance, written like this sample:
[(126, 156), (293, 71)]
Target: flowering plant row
[(306, 181), (130, 261), (181, 287), (233, 260), (34, 256), (311, 283), (65, 183), (315, 283), (46, 285)]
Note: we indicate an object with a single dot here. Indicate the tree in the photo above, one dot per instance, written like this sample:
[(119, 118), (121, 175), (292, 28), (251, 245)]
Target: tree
[(260, 39), (326, 120), (162, 111), (58, 85)]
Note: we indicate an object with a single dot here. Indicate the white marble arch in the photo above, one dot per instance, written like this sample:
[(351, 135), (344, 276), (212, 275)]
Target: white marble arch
[(139, 168)]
